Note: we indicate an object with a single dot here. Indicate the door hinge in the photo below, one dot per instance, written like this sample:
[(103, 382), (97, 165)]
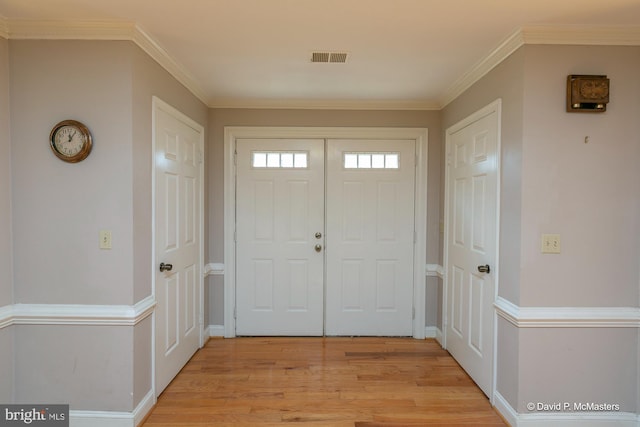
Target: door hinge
[(235, 312), (235, 157)]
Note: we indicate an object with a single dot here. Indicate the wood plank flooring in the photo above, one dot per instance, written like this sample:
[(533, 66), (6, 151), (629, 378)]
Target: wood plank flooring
[(354, 382)]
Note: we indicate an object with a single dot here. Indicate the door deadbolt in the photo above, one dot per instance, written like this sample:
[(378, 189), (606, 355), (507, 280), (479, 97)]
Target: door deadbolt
[(318, 235)]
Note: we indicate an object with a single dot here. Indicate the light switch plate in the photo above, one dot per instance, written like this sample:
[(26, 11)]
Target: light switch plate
[(105, 239), (550, 243)]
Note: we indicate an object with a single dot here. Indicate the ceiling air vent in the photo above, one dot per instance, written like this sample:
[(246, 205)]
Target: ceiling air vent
[(338, 57), (320, 57), (326, 57)]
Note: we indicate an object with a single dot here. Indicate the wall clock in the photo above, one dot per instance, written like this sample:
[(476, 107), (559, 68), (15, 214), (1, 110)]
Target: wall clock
[(70, 141)]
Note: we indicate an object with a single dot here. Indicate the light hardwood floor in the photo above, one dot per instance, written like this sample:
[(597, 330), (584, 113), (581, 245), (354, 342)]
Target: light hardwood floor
[(355, 382)]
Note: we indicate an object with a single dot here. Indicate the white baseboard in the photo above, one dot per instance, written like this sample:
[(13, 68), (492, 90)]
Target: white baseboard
[(563, 419), (112, 419), (504, 408), (433, 332), (216, 330)]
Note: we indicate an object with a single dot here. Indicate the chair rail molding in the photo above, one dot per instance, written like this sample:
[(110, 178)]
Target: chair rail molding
[(568, 317), (77, 314), (434, 270), (214, 269)]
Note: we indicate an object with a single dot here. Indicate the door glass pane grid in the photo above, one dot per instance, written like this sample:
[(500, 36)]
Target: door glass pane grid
[(280, 159), (368, 160)]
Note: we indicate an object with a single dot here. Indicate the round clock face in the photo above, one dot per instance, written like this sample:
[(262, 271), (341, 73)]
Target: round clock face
[(70, 141)]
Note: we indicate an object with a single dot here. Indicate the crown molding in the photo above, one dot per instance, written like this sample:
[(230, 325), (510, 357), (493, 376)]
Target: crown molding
[(302, 104), (546, 35), (483, 67), (162, 57), (4, 30), (76, 30), (568, 317), (579, 35), (118, 30), (103, 30)]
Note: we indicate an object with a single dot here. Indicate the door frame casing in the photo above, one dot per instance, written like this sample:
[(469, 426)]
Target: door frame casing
[(159, 104), (493, 107), (233, 133)]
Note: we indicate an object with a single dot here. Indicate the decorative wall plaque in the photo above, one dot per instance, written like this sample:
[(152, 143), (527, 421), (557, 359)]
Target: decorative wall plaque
[(588, 94)]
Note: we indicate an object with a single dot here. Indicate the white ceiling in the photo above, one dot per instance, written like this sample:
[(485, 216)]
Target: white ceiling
[(402, 53)]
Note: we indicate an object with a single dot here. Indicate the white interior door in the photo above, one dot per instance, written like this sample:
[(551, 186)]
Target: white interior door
[(177, 143), (370, 237), (280, 237), (472, 186)]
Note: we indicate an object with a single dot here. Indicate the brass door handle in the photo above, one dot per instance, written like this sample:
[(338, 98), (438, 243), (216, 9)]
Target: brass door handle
[(165, 267)]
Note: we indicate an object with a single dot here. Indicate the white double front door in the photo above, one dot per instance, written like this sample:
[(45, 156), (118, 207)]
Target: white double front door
[(324, 237)]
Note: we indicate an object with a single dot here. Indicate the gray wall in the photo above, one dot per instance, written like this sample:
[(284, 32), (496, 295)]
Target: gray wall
[(588, 193), (6, 265), (552, 182), (219, 118), (59, 209)]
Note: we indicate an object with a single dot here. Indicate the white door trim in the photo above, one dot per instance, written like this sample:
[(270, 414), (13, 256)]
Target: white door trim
[(420, 135), (495, 106), (159, 104)]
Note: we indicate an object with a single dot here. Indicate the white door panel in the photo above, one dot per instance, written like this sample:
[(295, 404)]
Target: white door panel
[(370, 236), (177, 242), (472, 179), (280, 208)]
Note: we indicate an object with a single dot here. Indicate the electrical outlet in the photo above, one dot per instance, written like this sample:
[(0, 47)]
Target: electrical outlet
[(105, 239), (550, 243)]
